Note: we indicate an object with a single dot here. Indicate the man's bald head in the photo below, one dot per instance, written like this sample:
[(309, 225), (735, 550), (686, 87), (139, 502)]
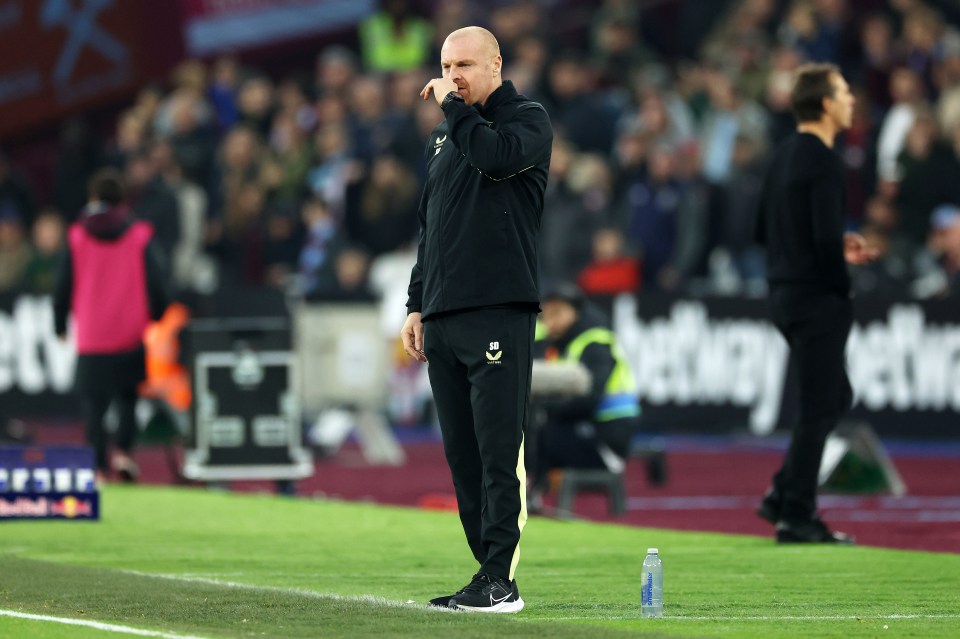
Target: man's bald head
[(484, 40), (471, 58)]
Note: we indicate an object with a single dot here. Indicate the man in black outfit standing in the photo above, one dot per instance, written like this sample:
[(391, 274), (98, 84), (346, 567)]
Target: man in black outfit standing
[(801, 221), (473, 298)]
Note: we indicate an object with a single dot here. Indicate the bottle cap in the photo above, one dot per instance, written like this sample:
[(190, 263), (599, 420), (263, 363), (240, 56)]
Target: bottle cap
[(653, 551)]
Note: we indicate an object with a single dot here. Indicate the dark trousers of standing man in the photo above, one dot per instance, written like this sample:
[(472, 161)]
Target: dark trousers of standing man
[(95, 407), (816, 326), (479, 366)]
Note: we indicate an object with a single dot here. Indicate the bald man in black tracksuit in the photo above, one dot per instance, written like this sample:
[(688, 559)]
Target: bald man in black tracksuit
[(801, 222), (473, 299)]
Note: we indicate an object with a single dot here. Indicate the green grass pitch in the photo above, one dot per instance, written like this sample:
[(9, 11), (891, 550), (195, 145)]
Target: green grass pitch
[(198, 563)]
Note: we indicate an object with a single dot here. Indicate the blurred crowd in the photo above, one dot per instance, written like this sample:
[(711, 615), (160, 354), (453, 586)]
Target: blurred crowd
[(309, 183)]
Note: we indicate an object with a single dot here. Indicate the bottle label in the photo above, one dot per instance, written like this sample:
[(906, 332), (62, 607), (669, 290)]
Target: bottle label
[(649, 593)]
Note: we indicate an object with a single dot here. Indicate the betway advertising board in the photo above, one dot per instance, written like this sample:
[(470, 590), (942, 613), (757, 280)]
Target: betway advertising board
[(702, 365), (36, 368), (714, 365)]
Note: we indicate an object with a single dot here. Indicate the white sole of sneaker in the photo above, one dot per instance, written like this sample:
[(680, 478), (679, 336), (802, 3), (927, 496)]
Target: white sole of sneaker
[(503, 607)]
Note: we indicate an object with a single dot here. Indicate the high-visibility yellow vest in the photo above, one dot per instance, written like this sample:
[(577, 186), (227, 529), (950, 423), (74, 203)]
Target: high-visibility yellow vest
[(386, 50), (539, 331), (620, 392)]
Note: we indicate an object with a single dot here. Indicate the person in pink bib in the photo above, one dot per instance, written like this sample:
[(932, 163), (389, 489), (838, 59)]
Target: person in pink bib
[(112, 281)]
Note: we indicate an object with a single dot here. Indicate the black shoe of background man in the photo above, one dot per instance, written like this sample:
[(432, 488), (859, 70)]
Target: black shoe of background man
[(444, 600), (488, 593), (770, 507), (810, 531)]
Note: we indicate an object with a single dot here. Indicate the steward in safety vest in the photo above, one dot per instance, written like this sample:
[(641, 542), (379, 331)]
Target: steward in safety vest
[(592, 430)]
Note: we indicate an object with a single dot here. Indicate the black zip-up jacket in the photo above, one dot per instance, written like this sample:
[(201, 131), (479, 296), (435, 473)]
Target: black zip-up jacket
[(481, 206)]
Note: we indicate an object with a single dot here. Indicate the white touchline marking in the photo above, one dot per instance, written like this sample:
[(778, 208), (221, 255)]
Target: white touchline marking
[(97, 625), (379, 601), (826, 502), (818, 618), (667, 617)]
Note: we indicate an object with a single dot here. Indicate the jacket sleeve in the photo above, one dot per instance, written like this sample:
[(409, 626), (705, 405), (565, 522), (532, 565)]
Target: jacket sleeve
[(158, 296), (63, 291), (503, 152), (415, 289)]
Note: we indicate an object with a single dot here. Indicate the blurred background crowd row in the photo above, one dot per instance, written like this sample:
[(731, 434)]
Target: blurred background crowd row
[(306, 181)]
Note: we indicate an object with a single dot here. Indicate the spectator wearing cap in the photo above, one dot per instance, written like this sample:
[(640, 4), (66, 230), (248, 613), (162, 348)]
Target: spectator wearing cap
[(593, 430)]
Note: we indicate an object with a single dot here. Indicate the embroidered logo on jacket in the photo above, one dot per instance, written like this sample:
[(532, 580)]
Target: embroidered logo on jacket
[(438, 144), (494, 357)]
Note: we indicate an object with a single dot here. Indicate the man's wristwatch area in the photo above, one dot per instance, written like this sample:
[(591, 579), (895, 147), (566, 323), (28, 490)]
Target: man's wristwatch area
[(453, 96)]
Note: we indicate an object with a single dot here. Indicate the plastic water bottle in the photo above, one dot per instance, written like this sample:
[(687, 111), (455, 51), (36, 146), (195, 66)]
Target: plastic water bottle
[(651, 588)]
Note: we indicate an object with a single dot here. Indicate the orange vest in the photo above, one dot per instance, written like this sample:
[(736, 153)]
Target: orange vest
[(167, 379)]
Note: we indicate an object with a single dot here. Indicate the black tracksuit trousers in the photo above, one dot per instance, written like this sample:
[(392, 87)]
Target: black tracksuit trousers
[(816, 326), (479, 366), (95, 406)]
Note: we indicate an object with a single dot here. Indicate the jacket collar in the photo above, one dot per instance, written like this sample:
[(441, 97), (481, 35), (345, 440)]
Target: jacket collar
[(503, 94)]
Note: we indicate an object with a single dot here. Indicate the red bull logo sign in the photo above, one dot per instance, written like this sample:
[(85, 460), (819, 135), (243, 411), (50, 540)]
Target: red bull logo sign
[(70, 507), (35, 507), (48, 483)]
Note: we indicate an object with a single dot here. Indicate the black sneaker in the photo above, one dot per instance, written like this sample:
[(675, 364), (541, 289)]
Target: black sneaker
[(444, 600), (487, 593), (811, 531)]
